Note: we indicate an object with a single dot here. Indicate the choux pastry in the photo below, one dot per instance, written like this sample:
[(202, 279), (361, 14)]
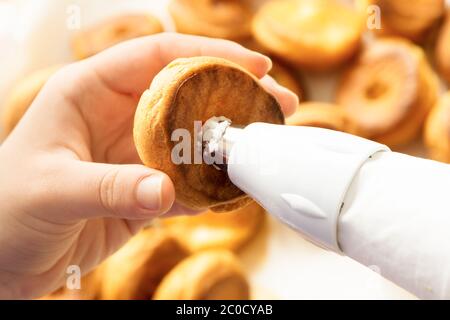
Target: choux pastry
[(208, 275), (321, 115), (113, 31), (228, 19), (437, 130), (314, 34), (212, 230), (388, 91), (411, 19), (135, 271), (186, 93), (442, 51), (23, 95)]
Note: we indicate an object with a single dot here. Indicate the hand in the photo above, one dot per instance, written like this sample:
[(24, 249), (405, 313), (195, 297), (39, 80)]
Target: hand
[(72, 188)]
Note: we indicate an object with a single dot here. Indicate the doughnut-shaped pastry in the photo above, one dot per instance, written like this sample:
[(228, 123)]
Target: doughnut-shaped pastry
[(113, 31), (208, 275), (135, 271), (23, 95), (389, 91), (188, 92), (437, 130), (411, 19), (321, 115), (317, 35), (228, 19), (442, 51), (212, 230)]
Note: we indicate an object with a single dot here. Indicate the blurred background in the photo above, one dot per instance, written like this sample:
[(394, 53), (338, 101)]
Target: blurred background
[(313, 46)]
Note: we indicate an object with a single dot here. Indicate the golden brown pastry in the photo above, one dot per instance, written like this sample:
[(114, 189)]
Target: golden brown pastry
[(321, 115), (388, 91), (135, 271), (188, 91), (409, 18), (113, 31), (317, 35), (442, 51), (208, 275), (437, 130), (23, 95), (212, 230), (228, 19)]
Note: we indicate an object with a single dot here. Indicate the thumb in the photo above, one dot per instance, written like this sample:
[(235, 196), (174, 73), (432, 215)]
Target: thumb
[(132, 192)]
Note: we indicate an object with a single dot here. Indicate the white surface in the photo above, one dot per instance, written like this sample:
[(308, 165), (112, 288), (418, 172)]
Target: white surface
[(292, 173), (396, 216), (34, 34)]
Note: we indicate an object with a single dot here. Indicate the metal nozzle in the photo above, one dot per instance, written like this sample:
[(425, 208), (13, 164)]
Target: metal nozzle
[(219, 136)]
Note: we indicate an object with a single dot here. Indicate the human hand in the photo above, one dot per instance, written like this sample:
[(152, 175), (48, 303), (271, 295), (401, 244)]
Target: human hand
[(72, 188)]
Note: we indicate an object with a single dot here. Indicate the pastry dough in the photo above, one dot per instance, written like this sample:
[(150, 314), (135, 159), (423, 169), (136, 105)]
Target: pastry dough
[(315, 34), (442, 51), (208, 275), (23, 95), (212, 230), (194, 90), (112, 32), (228, 19), (409, 18), (437, 130), (322, 115), (135, 271), (389, 91)]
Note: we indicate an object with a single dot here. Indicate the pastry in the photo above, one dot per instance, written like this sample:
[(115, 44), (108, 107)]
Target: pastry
[(113, 31), (409, 18), (212, 230), (135, 271), (437, 130), (208, 275), (388, 91), (442, 51), (228, 19), (22, 96), (322, 115), (314, 34), (186, 93)]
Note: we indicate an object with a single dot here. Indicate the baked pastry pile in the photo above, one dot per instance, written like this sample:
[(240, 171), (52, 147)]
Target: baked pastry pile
[(317, 35), (194, 90), (437, 130), (388, 91), (442, 51), (227, 19), (22, 96), (113, 31), (321, 115), (160, 263), (411, 19)]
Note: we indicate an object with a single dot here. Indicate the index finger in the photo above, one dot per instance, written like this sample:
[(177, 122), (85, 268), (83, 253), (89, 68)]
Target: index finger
[(130, 67)]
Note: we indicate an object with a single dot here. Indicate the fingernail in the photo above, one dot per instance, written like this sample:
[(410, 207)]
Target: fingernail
[(148, 193), (269, 62)]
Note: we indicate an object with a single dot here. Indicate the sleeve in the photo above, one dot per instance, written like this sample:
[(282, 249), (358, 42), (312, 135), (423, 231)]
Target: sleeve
[(396, 216)]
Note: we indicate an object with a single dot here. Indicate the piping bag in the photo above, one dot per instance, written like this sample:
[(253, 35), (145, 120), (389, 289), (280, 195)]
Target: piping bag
[(346, 194)]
